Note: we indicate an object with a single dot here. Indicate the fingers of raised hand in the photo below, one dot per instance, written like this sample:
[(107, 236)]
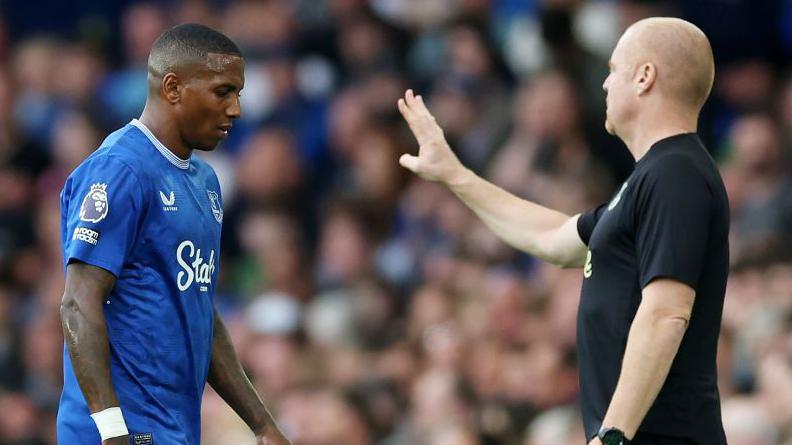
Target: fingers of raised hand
[(415, 102), (417, 106), (418, 117)]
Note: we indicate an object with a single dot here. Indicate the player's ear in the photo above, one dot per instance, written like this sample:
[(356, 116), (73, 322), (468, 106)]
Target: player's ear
[(170, 88), (647, 74)]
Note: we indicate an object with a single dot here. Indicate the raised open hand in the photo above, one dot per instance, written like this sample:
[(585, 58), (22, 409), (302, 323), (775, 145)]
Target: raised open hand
[(435, 160)]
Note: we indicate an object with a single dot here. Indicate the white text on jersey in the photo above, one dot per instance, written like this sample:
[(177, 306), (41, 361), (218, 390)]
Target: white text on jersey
[(193, 267)]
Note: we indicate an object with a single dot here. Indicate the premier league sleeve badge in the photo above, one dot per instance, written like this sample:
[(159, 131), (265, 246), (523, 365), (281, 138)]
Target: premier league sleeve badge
[(95, 204)]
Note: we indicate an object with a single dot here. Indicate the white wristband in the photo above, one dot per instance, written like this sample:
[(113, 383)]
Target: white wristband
[(110, 423)]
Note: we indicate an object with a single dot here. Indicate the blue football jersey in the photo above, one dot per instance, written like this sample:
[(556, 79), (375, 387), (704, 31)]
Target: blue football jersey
[(153, 220)]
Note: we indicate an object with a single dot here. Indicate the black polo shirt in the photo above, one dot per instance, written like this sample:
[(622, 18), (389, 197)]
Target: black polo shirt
[(670, 219)]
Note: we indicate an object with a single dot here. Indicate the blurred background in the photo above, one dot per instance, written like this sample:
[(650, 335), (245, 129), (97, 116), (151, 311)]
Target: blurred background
[(370, 307)]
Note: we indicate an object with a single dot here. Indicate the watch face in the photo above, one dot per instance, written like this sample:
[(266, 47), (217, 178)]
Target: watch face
[(613, 438)]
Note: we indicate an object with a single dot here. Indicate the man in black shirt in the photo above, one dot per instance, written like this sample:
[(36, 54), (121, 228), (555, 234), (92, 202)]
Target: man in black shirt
[(654, 258)]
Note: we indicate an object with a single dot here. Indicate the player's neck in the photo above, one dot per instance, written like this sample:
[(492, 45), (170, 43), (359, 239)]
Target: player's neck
[(168, 135), (652, 129)]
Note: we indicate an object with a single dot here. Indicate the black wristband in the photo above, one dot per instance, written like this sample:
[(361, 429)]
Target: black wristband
[(612, 436)]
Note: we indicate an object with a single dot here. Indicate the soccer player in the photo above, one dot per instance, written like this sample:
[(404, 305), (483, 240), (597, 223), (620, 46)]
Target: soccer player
[(141, 223), (654, 258)]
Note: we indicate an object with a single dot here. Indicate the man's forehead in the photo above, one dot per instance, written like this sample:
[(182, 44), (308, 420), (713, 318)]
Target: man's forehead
[(220, 63), (220, 68)]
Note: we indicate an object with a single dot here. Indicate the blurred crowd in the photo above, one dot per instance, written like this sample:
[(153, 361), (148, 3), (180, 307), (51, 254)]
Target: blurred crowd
[(368, 306)]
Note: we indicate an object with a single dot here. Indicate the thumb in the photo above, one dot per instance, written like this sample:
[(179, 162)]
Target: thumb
[(409, 162)]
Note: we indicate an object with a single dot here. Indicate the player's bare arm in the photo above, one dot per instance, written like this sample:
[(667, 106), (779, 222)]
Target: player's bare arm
[(539, 231), (85, 332), (652, 344), (232, 384)]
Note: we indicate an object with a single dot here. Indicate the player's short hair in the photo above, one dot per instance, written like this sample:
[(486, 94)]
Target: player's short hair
[(187, 43)]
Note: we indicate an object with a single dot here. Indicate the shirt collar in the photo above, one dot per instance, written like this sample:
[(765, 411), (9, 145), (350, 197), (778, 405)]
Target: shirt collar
[(183, 164)]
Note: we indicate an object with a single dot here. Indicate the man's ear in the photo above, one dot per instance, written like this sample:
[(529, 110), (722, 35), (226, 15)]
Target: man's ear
[(170, 88), (645, 79)]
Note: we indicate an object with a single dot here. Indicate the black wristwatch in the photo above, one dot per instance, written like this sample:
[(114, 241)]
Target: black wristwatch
[(612, 436)]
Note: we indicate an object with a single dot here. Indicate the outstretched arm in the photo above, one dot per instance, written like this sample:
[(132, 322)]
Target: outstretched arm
[(539, 231), (85, 333), (229, 380)]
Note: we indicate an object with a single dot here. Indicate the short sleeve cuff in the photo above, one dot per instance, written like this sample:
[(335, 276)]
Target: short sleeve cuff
[(92, 260), (586, 223), (685, 278)]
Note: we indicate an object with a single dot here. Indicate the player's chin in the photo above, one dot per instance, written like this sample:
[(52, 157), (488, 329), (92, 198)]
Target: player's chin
[(609, 128), (208, 144), (206, 148)]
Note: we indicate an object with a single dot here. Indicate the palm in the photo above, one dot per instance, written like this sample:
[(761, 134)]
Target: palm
[(435, 160)]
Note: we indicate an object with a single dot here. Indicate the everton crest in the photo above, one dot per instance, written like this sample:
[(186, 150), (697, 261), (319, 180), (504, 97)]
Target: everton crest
[(615, 201), (217, 210), (95, 204)]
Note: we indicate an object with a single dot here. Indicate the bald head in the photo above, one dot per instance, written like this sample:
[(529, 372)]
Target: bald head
[(681, 54)]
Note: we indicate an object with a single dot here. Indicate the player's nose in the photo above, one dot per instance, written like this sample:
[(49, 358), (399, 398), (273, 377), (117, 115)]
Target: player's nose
[(235, 109)]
